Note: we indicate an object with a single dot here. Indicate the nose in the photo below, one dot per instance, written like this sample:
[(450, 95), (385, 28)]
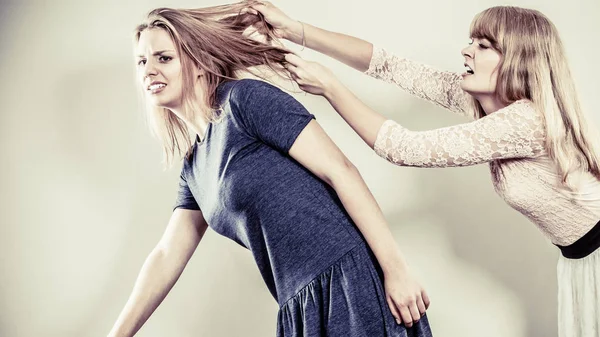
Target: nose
[(149, 69), (467, 51)]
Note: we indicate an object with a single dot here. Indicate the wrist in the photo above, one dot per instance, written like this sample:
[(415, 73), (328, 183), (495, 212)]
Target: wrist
[(294, 32), (393, 263), (332, 89)]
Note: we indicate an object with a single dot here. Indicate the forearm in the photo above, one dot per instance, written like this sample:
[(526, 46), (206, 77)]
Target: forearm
[(366, 214), (365, 121), (347, 49), (157, 276)]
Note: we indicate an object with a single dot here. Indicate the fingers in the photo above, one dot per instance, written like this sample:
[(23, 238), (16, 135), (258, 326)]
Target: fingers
[(249, 10), (302, 83), (292, 68), (421, 306), (406, 316), (293, 71), (265, 3), (410, 311), (414, 312), (426, 300), (294, 60), (394, 310), (260, 5), (295, 76)]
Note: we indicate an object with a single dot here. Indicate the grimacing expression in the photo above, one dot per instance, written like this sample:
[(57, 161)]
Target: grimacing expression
[(481, 63), (159, 68)]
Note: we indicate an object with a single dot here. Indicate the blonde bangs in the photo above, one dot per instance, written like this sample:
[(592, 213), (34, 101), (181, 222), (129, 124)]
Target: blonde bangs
[(490, 25)]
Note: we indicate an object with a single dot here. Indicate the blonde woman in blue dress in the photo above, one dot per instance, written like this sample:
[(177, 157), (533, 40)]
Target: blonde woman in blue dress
[(528, 126)]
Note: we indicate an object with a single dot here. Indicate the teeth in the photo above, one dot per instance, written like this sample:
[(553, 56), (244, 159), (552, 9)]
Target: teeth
[(469, 70), (156, 86)]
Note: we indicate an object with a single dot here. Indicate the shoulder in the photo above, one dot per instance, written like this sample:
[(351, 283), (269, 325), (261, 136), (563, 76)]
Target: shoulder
[(523, 115), (245, 89), (523, 108), (248, 84), (522, 105)]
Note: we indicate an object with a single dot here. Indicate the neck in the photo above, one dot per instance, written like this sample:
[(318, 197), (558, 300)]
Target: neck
[(198, 119), (490, 103), (197, 122)]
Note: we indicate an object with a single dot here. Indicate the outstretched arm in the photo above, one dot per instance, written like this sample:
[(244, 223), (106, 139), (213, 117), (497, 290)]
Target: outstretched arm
[(161, 270), (516, 131), (439, 87), (350, 50)]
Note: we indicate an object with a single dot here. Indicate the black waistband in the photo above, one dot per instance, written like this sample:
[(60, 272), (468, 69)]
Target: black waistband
[(583, 247)]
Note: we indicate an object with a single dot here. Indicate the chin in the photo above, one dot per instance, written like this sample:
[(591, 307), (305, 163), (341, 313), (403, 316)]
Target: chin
[(159, 103), (466, 88), (473, 91)]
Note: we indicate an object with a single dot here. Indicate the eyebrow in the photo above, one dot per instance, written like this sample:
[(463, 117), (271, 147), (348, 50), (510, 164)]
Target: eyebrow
[(159, 52)]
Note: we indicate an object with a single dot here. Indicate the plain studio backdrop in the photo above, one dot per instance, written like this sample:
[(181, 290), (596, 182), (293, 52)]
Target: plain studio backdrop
[(84, 198)]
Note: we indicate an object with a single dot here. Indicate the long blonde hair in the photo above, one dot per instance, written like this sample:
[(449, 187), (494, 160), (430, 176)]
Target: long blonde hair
[(216, 40), (534, 67)]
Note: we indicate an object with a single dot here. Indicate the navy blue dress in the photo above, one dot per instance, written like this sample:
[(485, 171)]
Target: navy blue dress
[(310, 254)]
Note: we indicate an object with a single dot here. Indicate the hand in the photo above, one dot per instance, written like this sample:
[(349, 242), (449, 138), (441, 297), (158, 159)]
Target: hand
[(283, 26), (407, 300), (311, 77)]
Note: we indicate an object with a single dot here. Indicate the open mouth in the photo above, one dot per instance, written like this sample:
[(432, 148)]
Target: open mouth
[(156, 86), (469, 70)]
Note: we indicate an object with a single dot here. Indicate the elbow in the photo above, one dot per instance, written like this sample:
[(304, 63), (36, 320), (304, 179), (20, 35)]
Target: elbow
[(160, 252), (345, 171)]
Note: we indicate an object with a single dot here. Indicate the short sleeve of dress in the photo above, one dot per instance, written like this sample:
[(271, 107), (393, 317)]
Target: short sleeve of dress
[(184, 198), (268, 113)]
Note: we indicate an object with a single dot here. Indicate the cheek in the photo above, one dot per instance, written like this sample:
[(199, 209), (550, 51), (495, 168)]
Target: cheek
[(494, 77), (174, 78), (490, 63), (176, 86), (172, 71), (140, 77)]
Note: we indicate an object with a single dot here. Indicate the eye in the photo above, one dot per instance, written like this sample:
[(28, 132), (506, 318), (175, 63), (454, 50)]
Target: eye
[(164, 58), (141, 62), (483, 46)]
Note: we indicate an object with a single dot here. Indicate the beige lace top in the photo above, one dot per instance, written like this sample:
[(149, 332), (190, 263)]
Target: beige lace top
[(511, 140)]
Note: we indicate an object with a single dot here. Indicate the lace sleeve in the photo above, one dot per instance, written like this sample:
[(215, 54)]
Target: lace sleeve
[(516, 131), (439, 87)]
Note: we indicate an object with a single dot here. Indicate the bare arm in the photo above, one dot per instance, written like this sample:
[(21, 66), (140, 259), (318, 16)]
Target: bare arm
[(161, 270), (315, 151), (439, 87), (347, 49)]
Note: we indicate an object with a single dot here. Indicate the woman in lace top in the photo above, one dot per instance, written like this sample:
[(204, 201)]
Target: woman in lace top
[(528, 125)]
